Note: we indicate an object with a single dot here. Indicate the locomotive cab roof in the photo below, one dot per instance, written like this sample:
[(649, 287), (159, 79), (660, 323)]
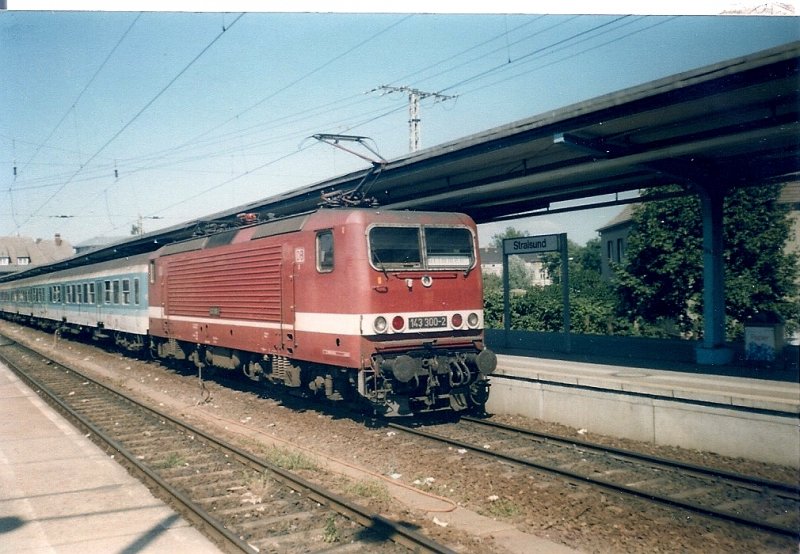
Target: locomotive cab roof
[(318, 219)]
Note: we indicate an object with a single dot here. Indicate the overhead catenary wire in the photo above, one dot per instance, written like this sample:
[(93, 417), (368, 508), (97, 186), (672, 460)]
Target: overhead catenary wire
[(135, 117), (82, 92), (417, 73), (563, 43), (262, 134), (532, 53), (166, 162), (246, 173), (211, 142), (222, 138), (295, 82), (286, 87), (494, 51), (575, 54)]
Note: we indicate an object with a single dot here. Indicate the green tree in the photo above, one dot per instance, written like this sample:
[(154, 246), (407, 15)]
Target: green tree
[(519, 276), (509, 233), (662, 282), (592, 299), (590, 256)]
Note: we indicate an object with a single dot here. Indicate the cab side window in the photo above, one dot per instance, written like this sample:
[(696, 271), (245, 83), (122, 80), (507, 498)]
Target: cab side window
[(325, 251)]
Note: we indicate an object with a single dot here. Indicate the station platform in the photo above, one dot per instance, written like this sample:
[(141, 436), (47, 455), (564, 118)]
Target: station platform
[(61, 493), (722, 411)]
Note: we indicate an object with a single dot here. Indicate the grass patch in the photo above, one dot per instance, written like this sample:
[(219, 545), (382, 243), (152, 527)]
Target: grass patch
[(369, 489), (503, 508), (288, 459)]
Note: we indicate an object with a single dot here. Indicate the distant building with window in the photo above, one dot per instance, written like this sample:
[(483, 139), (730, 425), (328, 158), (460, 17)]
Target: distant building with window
[(614, 235), (19, 253), (614, 240)]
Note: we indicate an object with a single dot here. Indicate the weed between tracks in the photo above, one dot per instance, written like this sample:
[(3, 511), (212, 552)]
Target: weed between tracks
[(172, 460), (331, 532)]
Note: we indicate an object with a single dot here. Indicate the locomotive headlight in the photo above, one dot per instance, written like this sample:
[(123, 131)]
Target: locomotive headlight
[(473, 320), (457, 320), (379, 324)]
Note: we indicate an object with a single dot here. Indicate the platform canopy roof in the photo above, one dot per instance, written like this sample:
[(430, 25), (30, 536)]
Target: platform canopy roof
[(735, 123)]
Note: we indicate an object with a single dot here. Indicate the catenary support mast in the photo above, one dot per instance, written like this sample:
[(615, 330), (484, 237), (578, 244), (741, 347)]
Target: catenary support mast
[(414, 121)]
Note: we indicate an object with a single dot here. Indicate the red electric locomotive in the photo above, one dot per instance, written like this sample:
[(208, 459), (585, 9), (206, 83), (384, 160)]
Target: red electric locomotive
[(354, 304)]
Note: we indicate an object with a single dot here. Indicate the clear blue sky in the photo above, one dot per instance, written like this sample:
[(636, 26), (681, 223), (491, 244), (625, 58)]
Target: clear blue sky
[(108, 116)]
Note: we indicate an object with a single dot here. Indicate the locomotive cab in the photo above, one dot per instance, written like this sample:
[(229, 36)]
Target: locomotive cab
[(413, 281)]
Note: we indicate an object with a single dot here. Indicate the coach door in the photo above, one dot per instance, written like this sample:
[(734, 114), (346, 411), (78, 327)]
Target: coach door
[(95, 296)]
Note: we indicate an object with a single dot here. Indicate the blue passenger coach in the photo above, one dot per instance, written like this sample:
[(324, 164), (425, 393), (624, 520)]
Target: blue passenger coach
[(105, 300)]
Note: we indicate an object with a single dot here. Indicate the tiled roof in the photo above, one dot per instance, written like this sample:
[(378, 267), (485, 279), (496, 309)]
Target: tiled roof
[(33, 251), (621, 218)]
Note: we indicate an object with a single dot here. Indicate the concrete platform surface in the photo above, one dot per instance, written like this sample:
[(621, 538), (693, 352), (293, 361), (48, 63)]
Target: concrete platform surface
[(61, 493), (757, 394)]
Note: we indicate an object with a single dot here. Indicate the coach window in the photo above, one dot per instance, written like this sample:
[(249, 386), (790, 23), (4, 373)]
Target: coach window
[(325, 251), (107, 292), (136, 291), (115, 289), (126, 291), (79, 291), (91, 298)]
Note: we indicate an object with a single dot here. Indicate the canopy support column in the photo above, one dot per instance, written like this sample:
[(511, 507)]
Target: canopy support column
[(713, 351)]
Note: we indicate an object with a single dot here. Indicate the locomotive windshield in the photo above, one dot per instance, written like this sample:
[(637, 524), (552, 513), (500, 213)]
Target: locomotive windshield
[(403, 247)]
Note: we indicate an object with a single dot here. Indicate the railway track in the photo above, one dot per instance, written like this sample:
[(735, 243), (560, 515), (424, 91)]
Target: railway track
[(244, 504), (745, 500)]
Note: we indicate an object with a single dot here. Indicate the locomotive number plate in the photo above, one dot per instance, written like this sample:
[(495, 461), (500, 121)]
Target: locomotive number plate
[(432, 322)]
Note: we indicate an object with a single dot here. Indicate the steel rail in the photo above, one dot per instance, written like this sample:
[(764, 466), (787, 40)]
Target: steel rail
[(609, 485), (388, 528), (223, 538), (686, 466)]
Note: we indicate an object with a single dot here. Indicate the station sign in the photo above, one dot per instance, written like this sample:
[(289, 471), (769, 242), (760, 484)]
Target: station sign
[(532, 245)]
